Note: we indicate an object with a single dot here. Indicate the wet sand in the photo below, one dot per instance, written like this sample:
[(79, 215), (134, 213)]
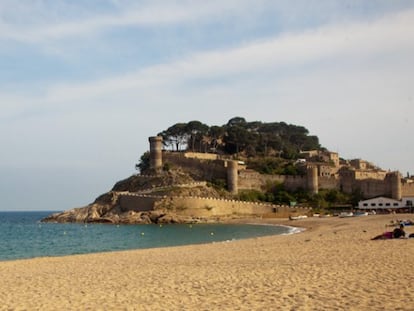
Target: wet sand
[(332, 265)]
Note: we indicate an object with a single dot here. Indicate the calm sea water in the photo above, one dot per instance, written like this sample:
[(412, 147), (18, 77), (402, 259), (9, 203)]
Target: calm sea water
[(23, 236)]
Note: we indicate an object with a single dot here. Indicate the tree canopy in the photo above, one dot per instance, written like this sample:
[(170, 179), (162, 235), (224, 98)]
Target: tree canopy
[(239, 136)]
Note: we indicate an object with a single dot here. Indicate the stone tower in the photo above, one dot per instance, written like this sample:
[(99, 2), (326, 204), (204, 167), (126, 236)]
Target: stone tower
[(312, 179), (155, 153), (396, 187), (232, 176)]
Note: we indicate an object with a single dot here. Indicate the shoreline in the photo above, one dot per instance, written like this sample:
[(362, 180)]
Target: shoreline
[(331, 265), (241, 231)]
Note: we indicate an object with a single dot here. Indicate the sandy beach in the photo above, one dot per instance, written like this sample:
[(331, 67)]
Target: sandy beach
[(332, 265)]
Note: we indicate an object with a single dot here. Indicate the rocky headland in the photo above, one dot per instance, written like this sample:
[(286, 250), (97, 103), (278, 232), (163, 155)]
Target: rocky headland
[(107, 208)]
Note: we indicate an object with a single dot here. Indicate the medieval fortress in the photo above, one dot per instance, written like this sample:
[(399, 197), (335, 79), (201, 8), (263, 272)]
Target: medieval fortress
[(154, 197), (324, 170)]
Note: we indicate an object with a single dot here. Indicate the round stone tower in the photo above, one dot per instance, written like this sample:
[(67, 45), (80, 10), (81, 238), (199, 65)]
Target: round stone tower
[(155, 153), (396, 187), (232, 176), (312, 179)]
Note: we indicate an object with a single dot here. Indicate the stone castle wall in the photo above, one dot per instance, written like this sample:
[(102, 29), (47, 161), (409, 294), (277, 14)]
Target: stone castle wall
[(205, 207), (373, 188), (201, 156), (137, 203), (199, 169), (407, 189), (329, 182), (390, 186), (362, 175), (293, 183), (249, 179), (252, 180), (378, 185), (371, 183)]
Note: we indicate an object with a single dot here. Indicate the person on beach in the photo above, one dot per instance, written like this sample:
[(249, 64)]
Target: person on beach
[(399, 232), (383, 236), (395, 234)]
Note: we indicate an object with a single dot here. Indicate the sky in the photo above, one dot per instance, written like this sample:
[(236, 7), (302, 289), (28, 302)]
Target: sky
[(83, 84)]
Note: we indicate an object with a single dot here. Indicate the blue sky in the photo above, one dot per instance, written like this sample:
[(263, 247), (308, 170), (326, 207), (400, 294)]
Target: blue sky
[(84, 83)]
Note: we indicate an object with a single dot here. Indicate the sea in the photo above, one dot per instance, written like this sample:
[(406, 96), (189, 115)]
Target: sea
[(23, 235)]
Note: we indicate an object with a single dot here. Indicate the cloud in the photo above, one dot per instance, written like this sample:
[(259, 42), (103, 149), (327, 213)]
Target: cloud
[(263, 59), (338, 43), (147, 14), (42, 21), (338, 55)]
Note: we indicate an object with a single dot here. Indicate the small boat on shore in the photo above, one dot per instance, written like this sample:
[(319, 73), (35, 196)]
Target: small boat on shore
[(345, 214), (361, 214), (297, 217)]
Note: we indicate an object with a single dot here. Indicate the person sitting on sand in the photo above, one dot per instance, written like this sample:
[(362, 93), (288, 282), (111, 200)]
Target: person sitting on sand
[(396, 234)]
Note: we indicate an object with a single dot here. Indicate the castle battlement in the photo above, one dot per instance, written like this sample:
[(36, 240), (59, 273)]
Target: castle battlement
[(202, 206)]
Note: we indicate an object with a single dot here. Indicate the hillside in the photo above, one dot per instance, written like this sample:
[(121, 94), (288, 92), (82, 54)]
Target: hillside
[(156, 194)]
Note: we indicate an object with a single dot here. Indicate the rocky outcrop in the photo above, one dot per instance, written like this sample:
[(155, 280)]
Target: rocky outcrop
[(95, 213), (107, 209)]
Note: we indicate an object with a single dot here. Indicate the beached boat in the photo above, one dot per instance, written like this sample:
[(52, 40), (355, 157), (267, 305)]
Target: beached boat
[(298, 217), (361, 214), (345, 214)]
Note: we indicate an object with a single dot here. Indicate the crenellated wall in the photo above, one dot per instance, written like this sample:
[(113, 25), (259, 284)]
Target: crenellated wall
[(205, 207), (201, 156)]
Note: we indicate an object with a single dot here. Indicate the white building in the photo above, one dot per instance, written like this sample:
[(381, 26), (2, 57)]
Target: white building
[(380, 203), (386, 203)]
